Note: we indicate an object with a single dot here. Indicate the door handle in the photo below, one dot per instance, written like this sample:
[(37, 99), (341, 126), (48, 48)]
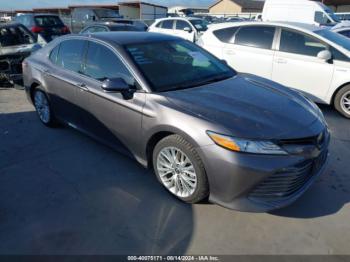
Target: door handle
[(281, 61), (82, 87)]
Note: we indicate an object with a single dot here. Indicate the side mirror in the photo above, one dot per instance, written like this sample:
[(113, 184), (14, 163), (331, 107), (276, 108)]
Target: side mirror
[(325, 55), (115, 85), (188, 29)]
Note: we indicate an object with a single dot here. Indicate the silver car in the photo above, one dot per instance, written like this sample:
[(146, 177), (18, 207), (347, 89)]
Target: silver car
[(242, 141)]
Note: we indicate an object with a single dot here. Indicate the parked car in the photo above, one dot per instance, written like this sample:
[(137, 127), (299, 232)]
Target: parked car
[(246, 142), (16, 43), (48, 26), (108, 27), (311, 59), (85, 16), (141, 25), (188, 28), (300, 11), (343, 16)]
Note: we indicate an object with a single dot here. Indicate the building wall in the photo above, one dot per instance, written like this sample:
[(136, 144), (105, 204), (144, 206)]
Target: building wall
[(150, 12), (129, 12), (225, 7), (343, 8)]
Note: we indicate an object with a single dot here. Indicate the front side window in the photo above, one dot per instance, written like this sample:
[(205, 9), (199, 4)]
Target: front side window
[(173, 65), (70, 55), (102, 63), (225, 35), (181, 25), (301, 44), (255, 36), (167, 24), (200, 24)]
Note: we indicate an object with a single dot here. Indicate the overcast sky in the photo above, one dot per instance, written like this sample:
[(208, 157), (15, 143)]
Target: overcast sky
[(28, 4)]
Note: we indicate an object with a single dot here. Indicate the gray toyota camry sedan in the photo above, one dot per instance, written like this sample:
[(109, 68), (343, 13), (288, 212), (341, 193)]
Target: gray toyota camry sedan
[(244, 142)]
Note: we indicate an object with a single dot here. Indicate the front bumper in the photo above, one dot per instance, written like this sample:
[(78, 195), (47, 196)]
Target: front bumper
[(259, 183)]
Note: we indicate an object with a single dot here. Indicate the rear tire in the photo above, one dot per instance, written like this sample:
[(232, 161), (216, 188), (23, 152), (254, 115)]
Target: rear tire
[(180, 170), (43, 108), (342, 101)]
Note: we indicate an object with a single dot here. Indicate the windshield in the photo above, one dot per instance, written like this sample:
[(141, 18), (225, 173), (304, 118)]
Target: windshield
[(173, 65), (200, 24), (106, 13), (13, 36), (335, 38), (48, 21)]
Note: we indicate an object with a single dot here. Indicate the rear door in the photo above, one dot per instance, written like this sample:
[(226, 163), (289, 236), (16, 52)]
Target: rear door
[(167, 27), (63, 79), (251, 50), (296, 64)]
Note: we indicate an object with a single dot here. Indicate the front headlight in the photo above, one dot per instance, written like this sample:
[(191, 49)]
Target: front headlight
[(247, 146)]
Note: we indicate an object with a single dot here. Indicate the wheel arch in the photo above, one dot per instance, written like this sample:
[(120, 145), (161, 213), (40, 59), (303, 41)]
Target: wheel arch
[(32, 88), (157, 136), (337, 91)]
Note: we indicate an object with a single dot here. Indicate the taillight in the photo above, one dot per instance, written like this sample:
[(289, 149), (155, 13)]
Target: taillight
[(37, 29), (65, 30)]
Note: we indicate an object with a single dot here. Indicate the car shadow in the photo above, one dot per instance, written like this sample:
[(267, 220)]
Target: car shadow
[(63, 193), (331, 191)]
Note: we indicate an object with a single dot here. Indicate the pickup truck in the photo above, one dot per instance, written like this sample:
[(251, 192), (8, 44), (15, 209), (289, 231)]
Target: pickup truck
[(82, 17)]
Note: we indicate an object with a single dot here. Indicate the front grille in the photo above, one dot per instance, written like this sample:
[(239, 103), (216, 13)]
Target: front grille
[(285, 183)]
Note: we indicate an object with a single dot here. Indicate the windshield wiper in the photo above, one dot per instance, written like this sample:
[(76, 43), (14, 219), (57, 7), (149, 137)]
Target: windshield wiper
[(200, 83)]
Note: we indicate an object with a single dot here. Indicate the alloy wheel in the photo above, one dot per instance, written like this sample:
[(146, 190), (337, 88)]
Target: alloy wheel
[(176, 172), (42, 106), (345, 102)]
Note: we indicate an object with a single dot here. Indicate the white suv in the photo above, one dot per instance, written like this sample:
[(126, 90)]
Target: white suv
[(311, 59), (188, 28)]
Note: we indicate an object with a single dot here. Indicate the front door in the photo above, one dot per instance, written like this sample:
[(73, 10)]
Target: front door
[(110, 116), (296, 65)]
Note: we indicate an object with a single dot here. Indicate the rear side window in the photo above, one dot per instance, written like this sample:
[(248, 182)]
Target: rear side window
[(297, 43), (70, 55), (255, 36), (225, 35), (102, 63), (48, 21), (167, 24), (181, 25)]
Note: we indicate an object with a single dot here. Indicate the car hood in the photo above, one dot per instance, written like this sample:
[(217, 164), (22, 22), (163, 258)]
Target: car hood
[(252, 107)]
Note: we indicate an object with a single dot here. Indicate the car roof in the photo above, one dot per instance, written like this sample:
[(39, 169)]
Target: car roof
[(302, 26), (37, 14), (126, 38), (179, 18)]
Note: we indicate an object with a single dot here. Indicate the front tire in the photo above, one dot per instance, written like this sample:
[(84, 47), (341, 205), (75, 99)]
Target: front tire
[(180, 170), (43, 108), (342, 101)]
